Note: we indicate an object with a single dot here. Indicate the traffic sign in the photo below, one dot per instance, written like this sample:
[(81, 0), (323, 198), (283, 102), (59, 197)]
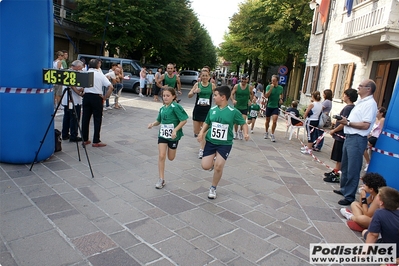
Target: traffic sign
[(282, 80), (282, 70)]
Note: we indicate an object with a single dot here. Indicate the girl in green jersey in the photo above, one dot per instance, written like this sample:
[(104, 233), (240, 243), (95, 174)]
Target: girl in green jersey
[(171, 118)]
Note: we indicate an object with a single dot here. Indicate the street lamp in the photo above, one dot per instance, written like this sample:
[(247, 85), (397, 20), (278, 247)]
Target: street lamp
[(312, 4)]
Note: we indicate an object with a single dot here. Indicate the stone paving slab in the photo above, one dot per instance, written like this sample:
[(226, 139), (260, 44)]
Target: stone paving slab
[(272, 202)]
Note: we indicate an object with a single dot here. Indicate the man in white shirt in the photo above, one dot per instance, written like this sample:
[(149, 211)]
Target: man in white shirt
[(93, 99), (357, 127), (69, 122)]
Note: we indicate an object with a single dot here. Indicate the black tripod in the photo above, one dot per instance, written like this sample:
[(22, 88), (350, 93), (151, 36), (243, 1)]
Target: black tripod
[(70, 100)]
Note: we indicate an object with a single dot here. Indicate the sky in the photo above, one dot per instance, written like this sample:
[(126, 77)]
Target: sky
[(215, 16)]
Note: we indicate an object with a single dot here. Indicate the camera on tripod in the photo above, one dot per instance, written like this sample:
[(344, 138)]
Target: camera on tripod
[(338, 117)]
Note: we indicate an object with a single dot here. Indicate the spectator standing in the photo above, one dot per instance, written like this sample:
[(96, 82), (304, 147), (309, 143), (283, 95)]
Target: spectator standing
[(65, 59), (158, 76), (375, 133), (259, 91), (312, 115), (57, 64), (357, 127), (327, 106), (350, 97), (274, 93), (69, 121), (93, 103), (143, 76), (150, 82)]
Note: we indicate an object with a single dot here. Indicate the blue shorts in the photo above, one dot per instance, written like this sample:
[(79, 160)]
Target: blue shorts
[(271, 111), (223, 150)]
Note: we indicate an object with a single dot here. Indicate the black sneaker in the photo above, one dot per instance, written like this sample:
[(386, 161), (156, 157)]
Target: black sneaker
[(332, 178), (329, 173), (65, 138)]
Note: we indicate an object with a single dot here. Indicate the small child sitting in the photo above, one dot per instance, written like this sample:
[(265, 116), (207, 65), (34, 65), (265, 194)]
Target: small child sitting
[(385, 220), (294, 112)]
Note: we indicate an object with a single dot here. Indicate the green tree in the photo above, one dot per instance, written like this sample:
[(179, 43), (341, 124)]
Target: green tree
[(271, 31), (160, 31)]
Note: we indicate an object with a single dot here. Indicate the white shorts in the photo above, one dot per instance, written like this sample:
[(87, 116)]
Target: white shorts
[(142, 83)]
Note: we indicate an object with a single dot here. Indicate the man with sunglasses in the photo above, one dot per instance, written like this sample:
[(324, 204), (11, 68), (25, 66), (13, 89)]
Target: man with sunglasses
[(357, 127)]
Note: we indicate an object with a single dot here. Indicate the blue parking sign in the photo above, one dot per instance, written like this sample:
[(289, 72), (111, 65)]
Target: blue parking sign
[(282, 80)]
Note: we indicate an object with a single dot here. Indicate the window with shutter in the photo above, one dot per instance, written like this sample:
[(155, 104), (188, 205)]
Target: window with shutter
[(305, 80)]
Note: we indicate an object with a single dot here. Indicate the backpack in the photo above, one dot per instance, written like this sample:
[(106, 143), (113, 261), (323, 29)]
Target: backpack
[(324, 120)]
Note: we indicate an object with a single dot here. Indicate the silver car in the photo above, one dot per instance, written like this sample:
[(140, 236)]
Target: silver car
[(188, 76)]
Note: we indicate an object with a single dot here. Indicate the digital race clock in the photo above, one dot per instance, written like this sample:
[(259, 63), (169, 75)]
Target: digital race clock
[(68, 77)]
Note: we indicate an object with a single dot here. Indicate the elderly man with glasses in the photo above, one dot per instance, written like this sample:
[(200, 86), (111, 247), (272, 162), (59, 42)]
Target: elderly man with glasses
[(357, 127)]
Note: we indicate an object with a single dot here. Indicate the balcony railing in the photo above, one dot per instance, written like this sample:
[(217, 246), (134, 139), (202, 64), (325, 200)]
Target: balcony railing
[(365, 22), (369, 21), (62, 13)]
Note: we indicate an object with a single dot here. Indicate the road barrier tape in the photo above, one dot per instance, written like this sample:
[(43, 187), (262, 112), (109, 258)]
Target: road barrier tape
[(315, 158), (391, 135), (391, 154), (24, 90)]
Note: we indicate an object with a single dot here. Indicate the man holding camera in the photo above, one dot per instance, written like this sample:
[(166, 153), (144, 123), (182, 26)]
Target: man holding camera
[(357, 127)]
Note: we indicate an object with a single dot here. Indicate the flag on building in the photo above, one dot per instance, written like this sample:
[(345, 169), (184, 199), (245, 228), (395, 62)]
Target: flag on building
[(323, 10), (348, 5)]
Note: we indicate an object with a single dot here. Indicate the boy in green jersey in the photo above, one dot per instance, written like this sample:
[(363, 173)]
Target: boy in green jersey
[(253, 111), (219, 138), (172, 118)]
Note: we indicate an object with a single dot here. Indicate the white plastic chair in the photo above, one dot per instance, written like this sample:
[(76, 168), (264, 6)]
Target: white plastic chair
[(291, 128)]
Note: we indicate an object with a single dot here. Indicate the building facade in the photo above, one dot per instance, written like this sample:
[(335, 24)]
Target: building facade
[(354, 43)]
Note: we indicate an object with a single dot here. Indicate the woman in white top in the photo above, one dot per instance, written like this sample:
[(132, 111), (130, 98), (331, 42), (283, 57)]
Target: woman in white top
[(312, 115)]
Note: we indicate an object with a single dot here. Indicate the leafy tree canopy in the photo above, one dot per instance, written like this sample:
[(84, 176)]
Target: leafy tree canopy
[(160, 31)]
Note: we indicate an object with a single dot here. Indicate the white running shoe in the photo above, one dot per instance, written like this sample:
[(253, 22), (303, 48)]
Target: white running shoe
[(346, 213), (367, 166), (109, 108), (235, 135), (266, 135), (306, 151), (160, 184), (212, 193), (240, 135), (141, 95), (303, 148), (252, 132), (200, 153), (272, 138)]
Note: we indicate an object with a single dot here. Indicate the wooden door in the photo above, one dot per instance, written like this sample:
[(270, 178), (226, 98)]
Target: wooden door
[(381, 77)]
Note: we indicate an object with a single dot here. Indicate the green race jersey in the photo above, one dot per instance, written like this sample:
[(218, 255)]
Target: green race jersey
[(221, 122), (242, 97), (204, 97), (169, 117), (253, 110), (274, 97), (171, 82)]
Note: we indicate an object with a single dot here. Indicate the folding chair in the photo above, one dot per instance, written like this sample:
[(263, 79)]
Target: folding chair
[(292, 128)]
